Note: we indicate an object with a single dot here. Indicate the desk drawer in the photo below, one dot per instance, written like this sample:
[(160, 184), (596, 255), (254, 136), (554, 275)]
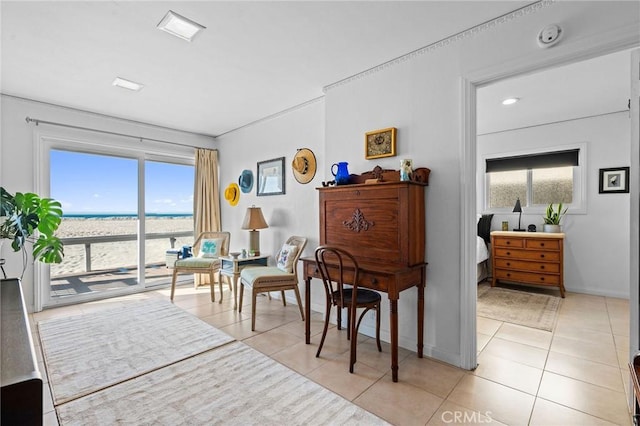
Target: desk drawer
[(527, 277), (550, 256), (528, 266)]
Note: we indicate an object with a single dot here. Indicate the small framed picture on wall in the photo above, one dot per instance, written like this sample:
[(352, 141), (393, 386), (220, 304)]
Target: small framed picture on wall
[(614, 180)]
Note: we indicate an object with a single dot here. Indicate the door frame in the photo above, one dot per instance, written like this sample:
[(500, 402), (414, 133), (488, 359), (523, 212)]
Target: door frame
[(587, 48)]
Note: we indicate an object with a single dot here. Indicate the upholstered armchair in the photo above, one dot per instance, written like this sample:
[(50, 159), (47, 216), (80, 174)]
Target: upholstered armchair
[(283, 276), (207, 249)]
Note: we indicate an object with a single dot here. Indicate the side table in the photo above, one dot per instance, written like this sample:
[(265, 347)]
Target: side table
[(231, 267)]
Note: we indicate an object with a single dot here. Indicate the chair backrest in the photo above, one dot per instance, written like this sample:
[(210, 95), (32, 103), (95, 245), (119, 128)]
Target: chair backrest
[(299, 242), (211, 235), (337, 266)]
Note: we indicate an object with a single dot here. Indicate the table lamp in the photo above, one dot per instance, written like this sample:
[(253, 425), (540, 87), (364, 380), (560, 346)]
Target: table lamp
[(254, 220), (518, 209)]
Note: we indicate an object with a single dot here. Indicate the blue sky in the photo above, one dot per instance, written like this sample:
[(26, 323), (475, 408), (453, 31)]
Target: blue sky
[(89, 183)]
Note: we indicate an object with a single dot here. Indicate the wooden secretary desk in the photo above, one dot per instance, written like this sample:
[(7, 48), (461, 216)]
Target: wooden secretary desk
[(383, 226)]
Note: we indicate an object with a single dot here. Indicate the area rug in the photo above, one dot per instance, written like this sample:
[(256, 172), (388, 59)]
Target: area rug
[(89, 352), (518, 307), (231, 385)]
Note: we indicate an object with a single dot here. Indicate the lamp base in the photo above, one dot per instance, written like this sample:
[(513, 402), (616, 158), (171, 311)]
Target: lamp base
[(254, 242), (519, 230)]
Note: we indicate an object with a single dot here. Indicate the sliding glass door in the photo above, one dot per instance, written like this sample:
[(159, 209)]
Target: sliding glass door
[(168, 217), (108, 248)]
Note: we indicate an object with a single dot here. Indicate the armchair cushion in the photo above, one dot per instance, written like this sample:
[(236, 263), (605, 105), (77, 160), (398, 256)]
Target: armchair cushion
[(197, 262), (286, 257), (211, 247), (264, 275)]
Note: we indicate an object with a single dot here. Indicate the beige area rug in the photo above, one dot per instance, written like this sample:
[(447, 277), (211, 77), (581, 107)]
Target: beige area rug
[(518, 307), (231, 385), (86, 353)]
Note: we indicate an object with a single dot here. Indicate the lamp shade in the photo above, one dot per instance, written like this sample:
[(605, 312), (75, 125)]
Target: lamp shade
[(254, 219), (516, 209)]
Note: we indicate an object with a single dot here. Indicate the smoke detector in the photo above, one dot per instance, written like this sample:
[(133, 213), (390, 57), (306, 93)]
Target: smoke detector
[(549, 35)]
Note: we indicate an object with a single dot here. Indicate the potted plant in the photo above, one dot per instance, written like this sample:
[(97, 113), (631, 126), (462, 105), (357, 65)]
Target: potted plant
[(26, 218), (553, 217)]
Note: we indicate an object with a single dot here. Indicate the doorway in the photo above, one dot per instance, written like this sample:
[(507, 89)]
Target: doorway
[(474, 202)]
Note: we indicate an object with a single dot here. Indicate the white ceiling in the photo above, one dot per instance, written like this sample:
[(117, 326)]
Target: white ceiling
[(253, 60), (256, 59), (597, 86)]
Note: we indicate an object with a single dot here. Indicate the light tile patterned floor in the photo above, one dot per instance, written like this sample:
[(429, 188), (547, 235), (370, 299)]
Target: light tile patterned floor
[(575, 375)]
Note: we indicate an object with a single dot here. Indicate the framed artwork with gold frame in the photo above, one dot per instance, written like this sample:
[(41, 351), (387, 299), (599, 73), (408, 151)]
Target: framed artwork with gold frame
[(380, 143)]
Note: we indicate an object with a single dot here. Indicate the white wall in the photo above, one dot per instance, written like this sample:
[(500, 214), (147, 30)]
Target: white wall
[(421, 96), (596, 257), (17, 152), (296, 211)]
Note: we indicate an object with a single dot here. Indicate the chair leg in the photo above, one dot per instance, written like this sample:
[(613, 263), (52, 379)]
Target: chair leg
[(339, 318), (253, 309), (241, 293), (348, 323), (354, 336), (295, 289), (173, 282), (378, 328), (212, 279), (326, 326), (284, 301), (220, 286)]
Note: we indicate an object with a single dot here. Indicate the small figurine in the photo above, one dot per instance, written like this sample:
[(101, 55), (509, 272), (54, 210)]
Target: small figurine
[(406, 168)]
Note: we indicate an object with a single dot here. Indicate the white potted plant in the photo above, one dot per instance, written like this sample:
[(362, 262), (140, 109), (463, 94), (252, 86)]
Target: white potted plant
[(553, 217)]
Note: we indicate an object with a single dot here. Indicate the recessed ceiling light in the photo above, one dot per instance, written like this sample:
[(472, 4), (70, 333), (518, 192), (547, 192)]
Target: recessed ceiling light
[(180, 26), (127, 84), (510, 101)]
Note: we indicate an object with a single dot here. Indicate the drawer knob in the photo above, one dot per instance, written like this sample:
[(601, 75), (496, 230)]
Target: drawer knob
[(541, 266), (508, 274), (541, 278), (508, 253), (508, 242), (542, 256), (541, 244), (374, 280), (508, 263)]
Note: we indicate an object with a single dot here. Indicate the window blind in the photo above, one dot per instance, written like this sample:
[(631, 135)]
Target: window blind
[(543, 160)]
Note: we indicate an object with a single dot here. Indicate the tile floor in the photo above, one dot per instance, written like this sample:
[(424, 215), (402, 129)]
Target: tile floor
[(575, 375)]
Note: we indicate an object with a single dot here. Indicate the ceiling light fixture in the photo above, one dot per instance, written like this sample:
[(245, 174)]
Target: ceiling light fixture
[(180, 26), (510, 101), (127, 84)]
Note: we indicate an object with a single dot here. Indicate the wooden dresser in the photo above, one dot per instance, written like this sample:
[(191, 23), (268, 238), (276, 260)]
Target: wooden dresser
[(383, 226), (528, 258)]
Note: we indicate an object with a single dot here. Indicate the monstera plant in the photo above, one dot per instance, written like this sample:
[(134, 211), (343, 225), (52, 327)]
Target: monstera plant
[(27, 219)]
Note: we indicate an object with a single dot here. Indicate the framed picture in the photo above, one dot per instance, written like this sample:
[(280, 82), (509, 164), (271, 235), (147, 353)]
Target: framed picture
[(380, 143), (614, 181), (271, 177)]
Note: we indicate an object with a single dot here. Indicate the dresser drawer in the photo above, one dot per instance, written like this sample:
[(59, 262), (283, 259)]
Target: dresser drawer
[(508, 242), (537, 243), (528, 266), (549, 256), (527, 277)]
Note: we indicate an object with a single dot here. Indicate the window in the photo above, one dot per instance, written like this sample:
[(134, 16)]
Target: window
[(537, 179), (124, 207)]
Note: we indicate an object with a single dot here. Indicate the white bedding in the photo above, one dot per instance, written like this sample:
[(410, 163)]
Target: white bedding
[(482, 253)]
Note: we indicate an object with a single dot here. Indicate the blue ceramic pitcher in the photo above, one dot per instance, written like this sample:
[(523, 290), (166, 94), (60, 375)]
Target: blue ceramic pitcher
[(342, 174)]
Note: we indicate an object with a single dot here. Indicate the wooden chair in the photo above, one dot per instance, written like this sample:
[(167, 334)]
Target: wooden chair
[(263, 279), (339, 268), (204, 263)]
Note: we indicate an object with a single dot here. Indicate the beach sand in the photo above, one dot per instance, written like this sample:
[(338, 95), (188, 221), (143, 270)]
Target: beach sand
[(115, 255)]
